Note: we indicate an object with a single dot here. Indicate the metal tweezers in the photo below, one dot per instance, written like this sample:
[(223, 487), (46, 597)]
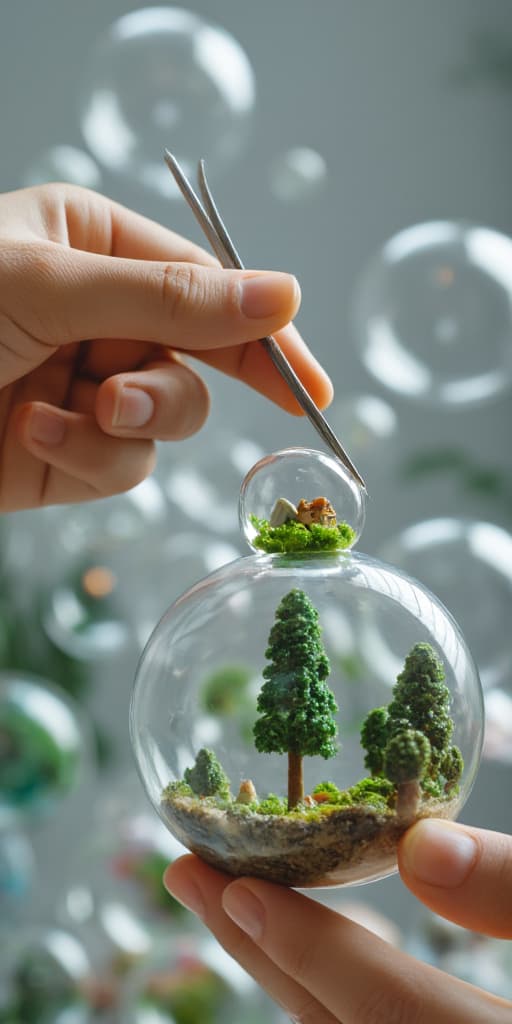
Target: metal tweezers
[(215, 230)]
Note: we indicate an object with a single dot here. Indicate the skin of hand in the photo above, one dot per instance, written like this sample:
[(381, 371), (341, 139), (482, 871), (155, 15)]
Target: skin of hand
[(100, 309), (323, 968)]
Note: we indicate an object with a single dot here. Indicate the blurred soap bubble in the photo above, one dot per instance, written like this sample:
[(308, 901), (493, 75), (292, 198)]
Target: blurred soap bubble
[(298, 174), (367, 426), (468, 565), (63, 163), (164, 77), (45, 749), (433, 314), (45, 975)]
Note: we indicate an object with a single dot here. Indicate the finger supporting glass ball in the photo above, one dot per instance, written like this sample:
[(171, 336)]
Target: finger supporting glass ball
[(315, 764), (275, 487)]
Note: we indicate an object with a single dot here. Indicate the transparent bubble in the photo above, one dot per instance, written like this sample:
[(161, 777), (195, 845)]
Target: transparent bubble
[(227, 619), (162, 77), (108, 600), (294, 474), (63, 163), (17, 870), (46, 975), (44, 745), (194, 981), (468, 565), (433, 313), (367, 426), (298, 174)]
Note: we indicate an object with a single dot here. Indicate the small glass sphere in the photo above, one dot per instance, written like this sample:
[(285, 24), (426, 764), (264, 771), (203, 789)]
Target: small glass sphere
[(298, 174), (468, 565), (45, 977), (294, 474), (161, 76), (63, 163), (433, 313), (44, 745), (193, 981), (337, 761)]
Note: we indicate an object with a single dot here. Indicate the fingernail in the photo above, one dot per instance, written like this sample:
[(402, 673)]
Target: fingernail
[(46, 427), (439, 853), (265, 294), (187, 893), (245, 909), (134, 408)]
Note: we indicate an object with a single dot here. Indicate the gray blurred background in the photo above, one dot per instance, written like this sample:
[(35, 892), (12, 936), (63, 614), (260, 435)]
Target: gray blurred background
[(408, 104)]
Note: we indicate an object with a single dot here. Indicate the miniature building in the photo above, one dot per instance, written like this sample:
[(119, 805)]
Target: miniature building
[(319, 511)]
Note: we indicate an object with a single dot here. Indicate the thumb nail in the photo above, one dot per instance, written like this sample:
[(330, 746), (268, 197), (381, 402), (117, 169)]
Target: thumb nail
[(438, 853)]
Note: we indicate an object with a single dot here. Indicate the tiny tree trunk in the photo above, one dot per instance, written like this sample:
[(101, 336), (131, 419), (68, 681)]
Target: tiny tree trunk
[(407, 800), (295, 780)]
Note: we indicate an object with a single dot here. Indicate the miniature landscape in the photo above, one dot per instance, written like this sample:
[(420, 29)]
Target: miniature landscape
[(309, 526), (331, 835)]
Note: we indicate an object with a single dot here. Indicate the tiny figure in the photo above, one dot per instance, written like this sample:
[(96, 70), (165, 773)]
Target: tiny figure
[(247, 793)]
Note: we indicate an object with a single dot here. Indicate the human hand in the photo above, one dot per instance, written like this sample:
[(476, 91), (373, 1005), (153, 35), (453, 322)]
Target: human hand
[(98, 307), (323, 968)]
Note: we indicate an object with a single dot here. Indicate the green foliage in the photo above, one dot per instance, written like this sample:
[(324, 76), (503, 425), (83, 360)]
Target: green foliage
[(297, 708), (375, 791), (195, 995), (407, 756), (272, 805), (451, 768), (178, 788), (293, 537), (329, 789), (207, 777), (374, 735)]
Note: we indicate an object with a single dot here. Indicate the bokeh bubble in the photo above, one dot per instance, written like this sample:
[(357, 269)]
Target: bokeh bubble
[(468, 565), (46, 974), (298, 174), (164, 77), (433, 314), (17, 873), (467, 955), (44, 745), (63, 163)]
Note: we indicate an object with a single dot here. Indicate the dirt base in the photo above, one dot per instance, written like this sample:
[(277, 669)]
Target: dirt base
[(339, 847)]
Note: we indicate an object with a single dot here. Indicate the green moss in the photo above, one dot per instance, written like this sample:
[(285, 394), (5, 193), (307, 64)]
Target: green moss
[(178, 788), (272, 805), (293, 537)]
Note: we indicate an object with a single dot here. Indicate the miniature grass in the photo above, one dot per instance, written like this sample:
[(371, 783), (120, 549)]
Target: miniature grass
[(293, 537)]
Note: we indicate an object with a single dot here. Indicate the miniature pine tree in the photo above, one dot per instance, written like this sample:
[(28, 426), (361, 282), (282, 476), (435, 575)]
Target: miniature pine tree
[(421, 701), (374, 736), (406, 760), (296, 706), (207, 776)]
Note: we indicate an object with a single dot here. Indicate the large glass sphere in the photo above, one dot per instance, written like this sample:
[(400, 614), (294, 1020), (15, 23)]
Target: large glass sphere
[(162, 76), (433, 313), (317, 760)]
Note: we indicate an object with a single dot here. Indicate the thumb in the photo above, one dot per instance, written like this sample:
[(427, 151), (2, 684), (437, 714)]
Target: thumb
[(461, 873), (82, 295)]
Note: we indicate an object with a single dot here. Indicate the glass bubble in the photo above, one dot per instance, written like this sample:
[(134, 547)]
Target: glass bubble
[(163, 77), (298, 174), (294, 474), (367, 425), (194, 982), (17, 870), (63, 163), (468, 565), (45, 979), (433, 313), (44, 744), (226, 800)]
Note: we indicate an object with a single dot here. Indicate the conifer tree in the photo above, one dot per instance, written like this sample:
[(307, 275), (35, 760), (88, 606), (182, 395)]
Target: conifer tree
[(296, 706)]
